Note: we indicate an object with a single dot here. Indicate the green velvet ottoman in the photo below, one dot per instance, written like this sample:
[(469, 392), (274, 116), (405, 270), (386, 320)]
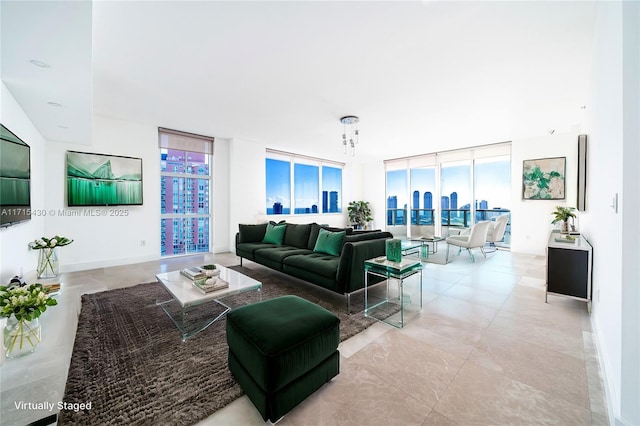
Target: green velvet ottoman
[(281, 351)]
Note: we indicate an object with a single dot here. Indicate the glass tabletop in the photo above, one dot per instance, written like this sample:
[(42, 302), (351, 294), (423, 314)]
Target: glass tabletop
[(382, 264)]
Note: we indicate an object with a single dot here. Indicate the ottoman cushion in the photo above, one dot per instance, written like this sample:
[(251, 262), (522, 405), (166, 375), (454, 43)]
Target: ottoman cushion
[(281, 339)]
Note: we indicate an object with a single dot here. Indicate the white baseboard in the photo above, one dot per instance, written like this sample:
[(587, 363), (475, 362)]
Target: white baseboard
[(607, 379), (107, 263)]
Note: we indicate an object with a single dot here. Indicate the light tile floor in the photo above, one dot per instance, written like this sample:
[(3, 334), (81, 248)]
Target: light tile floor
[(485, 350)]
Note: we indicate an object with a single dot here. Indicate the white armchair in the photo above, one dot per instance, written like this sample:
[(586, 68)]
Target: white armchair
[(475, 238), (496, 230)]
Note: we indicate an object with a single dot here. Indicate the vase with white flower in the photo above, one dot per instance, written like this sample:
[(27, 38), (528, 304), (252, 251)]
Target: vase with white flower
[(48, 256), (22, 306)]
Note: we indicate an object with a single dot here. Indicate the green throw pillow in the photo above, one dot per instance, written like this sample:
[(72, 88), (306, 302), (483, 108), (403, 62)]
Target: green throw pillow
[(329, 242), (274, 234)]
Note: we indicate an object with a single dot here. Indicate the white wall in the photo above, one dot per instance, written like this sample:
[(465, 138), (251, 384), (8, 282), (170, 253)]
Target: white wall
[(15, 256), (221, 193), (630, 334), (373, 189), (106, 236), (603, 225), (531, 219)]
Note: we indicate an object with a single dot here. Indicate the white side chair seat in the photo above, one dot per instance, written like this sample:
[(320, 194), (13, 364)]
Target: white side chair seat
[(474, 238), (496, 231)]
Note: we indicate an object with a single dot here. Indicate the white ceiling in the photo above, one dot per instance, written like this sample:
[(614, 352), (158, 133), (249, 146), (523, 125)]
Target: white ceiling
[(422, 76)]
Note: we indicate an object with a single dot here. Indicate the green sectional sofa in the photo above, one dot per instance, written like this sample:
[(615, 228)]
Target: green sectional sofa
[(332, 258)]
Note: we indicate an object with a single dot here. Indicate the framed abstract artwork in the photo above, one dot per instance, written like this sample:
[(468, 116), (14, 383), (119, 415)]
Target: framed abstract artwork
[(544, 179), (103, 180)]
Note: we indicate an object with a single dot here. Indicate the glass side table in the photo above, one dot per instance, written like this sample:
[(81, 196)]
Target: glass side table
[(385, 303)]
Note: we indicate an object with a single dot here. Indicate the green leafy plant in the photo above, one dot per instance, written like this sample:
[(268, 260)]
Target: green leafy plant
[(209, 267), (562, 214), (359, 213), (25, 303)]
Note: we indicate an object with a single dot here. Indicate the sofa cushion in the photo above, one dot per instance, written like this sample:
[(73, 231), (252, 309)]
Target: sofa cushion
[(366, 236), (275, 233), (317, 263), (297, 235), (329, 242), (248, 249), (252, 233), (278, 253), (315, 230)]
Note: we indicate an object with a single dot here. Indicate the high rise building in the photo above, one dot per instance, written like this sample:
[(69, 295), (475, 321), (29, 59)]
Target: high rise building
[(416, 199), (325, 202), (428, 200), (392, 204), (184, 195), (333, 202), (444, 202), (454, 201)]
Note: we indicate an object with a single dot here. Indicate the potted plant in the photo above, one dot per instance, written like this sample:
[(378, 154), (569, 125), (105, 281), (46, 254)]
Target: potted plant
[(359, 214), (562, 215)]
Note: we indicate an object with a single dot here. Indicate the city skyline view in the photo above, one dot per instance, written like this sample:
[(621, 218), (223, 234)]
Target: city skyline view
[(316, 189), (415, 189)]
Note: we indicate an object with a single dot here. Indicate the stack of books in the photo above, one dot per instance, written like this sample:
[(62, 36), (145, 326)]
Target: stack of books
[(205, 280), (193, 273), (52, 288)]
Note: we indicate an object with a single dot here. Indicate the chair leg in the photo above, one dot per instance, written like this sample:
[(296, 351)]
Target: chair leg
[(459, 250), (483, 252), (446, 259), (473, 259)]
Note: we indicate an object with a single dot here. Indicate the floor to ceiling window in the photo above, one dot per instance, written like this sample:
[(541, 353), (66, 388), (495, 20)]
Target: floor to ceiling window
[(492, 180), (397, 201), (298, 184), (447, 190), (456, 198), (185, 182)]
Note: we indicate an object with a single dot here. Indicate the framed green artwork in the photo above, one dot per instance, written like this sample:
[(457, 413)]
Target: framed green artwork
[(544, 179), (103, 180)]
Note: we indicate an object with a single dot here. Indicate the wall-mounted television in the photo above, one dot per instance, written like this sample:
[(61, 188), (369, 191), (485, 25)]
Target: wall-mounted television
[(15, 179), (103, 180)]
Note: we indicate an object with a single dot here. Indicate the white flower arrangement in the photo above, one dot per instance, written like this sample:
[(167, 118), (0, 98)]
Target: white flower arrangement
[(49, 243), (25, 303)]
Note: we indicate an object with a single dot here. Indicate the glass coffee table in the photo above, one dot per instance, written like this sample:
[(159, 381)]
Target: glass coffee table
[(193, 311), (385, 304), (421, 246)]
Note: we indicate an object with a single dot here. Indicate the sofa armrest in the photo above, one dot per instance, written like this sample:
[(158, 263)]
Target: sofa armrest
[(351, 268)]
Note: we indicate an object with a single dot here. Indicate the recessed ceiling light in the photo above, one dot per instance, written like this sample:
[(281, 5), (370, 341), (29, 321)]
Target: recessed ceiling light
[(63, 127), (54, 104), (40, 63)]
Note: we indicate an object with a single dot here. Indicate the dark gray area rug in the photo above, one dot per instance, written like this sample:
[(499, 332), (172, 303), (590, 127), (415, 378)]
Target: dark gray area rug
[(130, 363)]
